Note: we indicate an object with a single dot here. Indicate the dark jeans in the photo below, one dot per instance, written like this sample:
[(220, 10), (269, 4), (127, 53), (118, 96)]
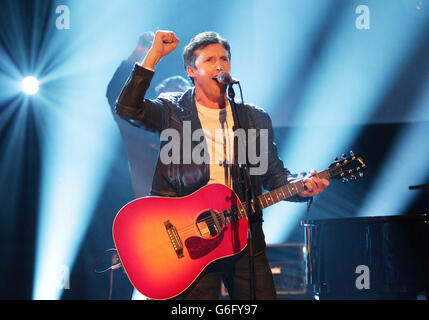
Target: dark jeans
[(234, 272)]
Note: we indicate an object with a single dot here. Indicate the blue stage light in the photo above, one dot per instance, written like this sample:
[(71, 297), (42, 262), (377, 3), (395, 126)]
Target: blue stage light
[(30, 85)]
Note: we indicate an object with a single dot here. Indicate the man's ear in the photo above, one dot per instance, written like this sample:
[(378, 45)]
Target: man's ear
[(190, 71)]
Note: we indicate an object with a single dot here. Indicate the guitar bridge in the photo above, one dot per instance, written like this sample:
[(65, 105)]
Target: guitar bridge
[(174, 238)]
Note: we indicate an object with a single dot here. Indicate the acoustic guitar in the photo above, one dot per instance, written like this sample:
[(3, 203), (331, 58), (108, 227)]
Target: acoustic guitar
[(165, 243)]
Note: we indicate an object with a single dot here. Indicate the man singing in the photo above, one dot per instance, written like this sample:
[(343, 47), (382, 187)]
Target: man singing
[(206, 106)]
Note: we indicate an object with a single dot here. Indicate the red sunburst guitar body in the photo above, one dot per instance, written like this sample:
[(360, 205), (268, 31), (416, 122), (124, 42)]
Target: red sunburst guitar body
[(165, 243)]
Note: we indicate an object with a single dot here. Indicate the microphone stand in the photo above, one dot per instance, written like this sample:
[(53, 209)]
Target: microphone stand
[(248, 189)]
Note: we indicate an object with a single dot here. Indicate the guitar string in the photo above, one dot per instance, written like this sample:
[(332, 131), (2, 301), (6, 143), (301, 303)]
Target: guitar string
[(235, 215), (190, 229), (167, 243), (182, 234), (235, 209), (210, 219)]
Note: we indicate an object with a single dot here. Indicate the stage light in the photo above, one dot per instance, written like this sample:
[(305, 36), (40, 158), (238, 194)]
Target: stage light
[(30, 85), (79, 142)]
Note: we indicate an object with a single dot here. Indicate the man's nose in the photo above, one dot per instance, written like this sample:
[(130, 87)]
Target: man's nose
[(220, 67)]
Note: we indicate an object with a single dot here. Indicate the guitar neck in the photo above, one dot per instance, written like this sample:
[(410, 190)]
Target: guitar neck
[(267, 199), (287, 191)]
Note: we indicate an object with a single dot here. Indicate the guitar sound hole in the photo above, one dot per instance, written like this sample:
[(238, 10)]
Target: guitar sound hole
[(209, 224)]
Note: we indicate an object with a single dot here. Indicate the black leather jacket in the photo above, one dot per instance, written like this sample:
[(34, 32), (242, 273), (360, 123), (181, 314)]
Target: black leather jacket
[(170, 111)]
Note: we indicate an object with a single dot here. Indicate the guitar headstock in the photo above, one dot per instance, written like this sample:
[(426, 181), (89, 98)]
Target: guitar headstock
[(348, 167)]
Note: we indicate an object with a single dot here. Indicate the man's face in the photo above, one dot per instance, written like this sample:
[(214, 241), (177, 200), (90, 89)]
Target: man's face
[(209, 61)]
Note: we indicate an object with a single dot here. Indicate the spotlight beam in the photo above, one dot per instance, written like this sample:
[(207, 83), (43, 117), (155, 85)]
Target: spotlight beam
[(406, 165), (79, 135), (344, 93)]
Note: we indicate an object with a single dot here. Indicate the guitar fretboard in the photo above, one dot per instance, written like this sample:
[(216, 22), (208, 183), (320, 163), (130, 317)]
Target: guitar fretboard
[(267, 199)]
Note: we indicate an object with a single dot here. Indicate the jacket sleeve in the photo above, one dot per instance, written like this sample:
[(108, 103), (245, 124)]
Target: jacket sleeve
[(133, 107), (117, 83)]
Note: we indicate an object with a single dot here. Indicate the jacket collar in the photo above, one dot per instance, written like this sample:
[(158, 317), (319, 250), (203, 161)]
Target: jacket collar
[(187, 103)]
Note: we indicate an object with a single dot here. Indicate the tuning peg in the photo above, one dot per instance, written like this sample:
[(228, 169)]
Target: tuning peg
[(336, 159), (352, 153), (353, 177), (343, 156), (345, 180), (361, 174)]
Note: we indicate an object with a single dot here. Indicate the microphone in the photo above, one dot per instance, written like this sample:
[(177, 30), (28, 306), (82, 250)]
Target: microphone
[(225, 78)]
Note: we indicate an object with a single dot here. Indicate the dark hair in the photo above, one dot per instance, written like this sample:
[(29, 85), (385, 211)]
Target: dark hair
[(200, 41)]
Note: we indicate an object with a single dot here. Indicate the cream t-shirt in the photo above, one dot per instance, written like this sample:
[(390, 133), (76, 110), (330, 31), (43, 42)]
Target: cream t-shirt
[(217, 126)]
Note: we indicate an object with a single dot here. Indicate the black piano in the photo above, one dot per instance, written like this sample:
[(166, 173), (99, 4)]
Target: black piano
[(385, 257)]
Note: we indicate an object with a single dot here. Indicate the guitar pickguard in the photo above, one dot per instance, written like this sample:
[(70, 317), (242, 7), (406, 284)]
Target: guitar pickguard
[(210, 226), (199, 247)]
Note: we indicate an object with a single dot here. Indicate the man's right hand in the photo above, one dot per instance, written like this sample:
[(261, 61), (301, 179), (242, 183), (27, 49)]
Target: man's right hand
[(163, 43)]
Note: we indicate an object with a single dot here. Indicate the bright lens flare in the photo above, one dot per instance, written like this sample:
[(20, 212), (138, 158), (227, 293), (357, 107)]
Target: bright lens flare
[(30, 85)]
